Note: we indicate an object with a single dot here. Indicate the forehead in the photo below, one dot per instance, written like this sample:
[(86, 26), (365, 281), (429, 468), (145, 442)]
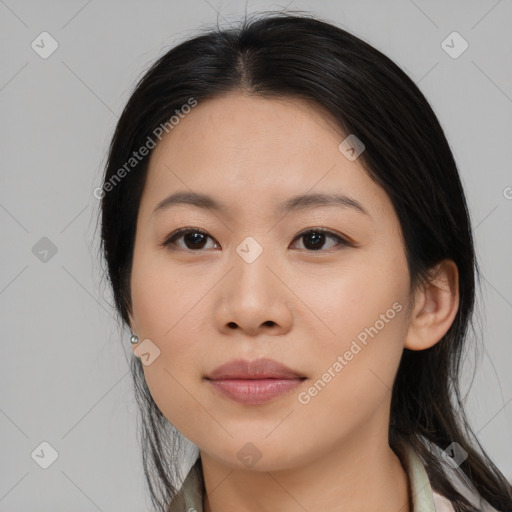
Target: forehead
[(252, 152)]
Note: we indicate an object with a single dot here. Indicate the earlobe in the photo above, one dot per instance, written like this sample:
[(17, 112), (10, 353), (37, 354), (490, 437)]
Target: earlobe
[(435, 307)]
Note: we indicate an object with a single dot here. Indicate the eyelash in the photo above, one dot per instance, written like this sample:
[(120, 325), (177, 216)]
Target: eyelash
[(181, 232)]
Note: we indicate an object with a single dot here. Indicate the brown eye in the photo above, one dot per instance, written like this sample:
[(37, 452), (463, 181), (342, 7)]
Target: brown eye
[(193, 239), (315, 239)]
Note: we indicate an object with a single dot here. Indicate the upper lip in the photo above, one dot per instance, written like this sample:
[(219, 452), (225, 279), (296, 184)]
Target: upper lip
[(258, 369)]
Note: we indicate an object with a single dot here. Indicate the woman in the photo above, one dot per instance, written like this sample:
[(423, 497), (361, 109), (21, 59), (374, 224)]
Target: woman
[(287, 238)]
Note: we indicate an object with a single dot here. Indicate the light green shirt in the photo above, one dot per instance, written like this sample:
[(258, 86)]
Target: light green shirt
[(424, 499)]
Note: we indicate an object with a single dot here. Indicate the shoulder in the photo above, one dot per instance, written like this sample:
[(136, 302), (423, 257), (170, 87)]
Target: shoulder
[(455, 476), (441, 503), (190, 494)]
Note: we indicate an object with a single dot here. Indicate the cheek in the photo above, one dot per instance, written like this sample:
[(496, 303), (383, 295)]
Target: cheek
[(174, 392), (158, 295), (347, 298), (361, 334), (165, 312), (354, 374), (173, 376)]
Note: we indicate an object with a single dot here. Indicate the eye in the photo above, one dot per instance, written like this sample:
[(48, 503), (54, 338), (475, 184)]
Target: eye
[(315, 239), (196, 239)]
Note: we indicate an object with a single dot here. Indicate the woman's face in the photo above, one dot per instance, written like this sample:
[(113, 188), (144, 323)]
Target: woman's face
[(255, 286)]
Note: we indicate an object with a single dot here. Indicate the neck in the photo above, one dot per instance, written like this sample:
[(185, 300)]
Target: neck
[(354, 476)]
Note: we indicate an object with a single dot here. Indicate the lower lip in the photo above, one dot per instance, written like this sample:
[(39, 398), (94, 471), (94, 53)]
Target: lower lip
[(254, 391)]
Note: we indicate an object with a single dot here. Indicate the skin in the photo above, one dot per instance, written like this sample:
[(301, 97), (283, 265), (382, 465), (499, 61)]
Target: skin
[(302, 307)]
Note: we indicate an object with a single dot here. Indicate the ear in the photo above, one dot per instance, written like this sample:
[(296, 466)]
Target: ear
[(435, 306)]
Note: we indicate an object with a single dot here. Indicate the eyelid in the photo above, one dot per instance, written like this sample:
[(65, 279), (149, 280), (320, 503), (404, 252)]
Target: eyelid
[(183, 231), (342, 240)]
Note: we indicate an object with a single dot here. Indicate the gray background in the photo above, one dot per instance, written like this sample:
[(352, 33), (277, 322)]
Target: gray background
[(64, 375)]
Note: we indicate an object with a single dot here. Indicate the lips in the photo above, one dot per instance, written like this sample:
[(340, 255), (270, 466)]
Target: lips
[(259, 369), (254, 383)]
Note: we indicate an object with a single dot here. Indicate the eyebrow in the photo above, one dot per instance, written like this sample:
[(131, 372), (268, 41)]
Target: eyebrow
[(299, 202)]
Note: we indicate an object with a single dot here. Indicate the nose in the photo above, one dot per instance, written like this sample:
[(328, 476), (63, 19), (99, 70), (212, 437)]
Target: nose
[(253, 299)]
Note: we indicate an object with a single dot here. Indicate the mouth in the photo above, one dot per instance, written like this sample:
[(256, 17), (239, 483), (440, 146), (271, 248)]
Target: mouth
[(254, 391), (254, 383)]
